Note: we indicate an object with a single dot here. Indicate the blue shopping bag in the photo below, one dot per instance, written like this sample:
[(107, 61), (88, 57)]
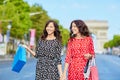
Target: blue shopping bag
[(19, 59)]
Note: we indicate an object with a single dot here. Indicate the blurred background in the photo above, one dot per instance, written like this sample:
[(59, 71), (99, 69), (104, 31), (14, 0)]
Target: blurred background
[(24, 20)]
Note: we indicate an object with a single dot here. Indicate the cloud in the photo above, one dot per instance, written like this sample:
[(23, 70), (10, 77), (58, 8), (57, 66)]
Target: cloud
[(113, 7)]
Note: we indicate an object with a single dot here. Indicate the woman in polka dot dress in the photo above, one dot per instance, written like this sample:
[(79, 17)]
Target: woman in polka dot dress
[(79, 50), (48, 52)]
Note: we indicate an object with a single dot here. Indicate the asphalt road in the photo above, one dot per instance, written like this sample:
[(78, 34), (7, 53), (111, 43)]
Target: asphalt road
[(108, 67)]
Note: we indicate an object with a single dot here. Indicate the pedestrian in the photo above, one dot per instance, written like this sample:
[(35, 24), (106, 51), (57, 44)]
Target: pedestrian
[(1, 38), (79, 50), (48, 52)]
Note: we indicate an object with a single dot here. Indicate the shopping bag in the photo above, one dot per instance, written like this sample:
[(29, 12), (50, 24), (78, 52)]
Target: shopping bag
[(87, 69), (94, 70), (19, 59)]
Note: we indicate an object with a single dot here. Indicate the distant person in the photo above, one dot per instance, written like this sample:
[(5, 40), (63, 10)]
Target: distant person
[(79, 50), (1, 38), (48, 52)]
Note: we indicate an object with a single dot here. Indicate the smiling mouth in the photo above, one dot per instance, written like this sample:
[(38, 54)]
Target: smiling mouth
[(48, 30)]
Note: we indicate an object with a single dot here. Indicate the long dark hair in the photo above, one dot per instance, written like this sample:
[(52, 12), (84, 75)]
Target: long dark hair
[(56, 32), (83, 29)]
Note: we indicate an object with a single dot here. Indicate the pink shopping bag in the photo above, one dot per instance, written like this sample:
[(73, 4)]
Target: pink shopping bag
[(94, 71)]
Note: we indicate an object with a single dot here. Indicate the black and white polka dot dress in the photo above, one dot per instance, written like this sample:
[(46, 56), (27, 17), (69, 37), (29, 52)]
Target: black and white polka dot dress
[(48, 53)]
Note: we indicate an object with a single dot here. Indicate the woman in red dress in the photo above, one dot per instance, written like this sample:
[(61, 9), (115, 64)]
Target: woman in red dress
[(79, 50)]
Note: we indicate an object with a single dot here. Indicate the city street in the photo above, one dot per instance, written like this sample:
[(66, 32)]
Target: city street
[(108, 67), (41, 28)]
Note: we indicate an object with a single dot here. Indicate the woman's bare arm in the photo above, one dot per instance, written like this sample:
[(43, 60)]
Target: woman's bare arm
[(29, 50)]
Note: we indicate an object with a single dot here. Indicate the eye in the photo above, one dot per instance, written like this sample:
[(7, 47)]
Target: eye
[(50, 26), (73, 26)]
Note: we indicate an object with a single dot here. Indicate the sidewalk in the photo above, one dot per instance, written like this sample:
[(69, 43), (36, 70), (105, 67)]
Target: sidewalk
[(10, 57), (6, 57)]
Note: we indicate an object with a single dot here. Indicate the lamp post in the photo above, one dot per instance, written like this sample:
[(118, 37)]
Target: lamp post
[(1, 37), (4, 8), (7, 35), (31, 30), (34, 13), (8, 31)]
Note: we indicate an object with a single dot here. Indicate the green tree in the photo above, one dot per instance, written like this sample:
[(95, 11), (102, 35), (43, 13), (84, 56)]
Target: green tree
[(106, 45), (18, 12), (64, 33), (38, 20), (116, 40), (110, 43)]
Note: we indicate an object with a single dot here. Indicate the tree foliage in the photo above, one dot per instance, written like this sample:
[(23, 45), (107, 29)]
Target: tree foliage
[(114, 42), (38, 20), (19, 12), (16, 11)]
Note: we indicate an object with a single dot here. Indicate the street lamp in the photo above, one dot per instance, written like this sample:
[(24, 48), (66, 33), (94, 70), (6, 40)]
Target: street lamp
[(7, 35), (8, 31), (31, 14), (32, 31), (34, 13), (4, 7), (25, 35)]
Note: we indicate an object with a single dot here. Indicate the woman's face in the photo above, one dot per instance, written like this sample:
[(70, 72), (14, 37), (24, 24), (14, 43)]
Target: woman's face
[(50, 28), (75, 30)]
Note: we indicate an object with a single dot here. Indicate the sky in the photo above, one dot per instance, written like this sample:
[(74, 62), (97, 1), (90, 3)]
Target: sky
[(67, 10)]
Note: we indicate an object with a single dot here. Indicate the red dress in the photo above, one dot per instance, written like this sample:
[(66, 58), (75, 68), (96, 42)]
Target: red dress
[(75, 56)]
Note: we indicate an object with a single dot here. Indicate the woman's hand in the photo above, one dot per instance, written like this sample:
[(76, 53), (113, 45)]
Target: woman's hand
[(63, 77), (28, 49), (24, 46), (88, 56)]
